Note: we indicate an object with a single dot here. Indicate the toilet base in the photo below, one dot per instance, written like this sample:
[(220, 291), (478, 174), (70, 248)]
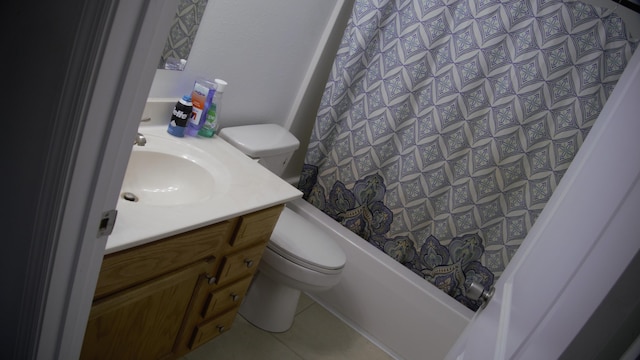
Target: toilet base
[(269, 305)]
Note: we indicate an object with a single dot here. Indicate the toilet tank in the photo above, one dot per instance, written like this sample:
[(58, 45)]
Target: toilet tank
[(271, 144)]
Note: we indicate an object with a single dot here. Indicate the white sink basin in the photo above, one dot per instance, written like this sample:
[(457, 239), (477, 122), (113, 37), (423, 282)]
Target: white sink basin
[(167, 173), (185, 183)]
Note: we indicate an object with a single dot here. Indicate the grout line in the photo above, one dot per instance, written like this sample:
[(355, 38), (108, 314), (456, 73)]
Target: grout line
[(303, 309), (288, 347), (298, 312), (358, 329)]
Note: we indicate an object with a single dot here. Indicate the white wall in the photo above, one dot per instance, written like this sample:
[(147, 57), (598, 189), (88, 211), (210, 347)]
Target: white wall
[(262, 48), (267, 51)]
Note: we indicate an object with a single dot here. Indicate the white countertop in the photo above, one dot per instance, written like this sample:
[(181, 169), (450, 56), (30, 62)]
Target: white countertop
[(245, 186)]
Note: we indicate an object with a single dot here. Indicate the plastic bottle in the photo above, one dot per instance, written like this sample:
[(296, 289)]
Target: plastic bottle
[(210, 126), (201, 97), (179, 116), (212, 121)]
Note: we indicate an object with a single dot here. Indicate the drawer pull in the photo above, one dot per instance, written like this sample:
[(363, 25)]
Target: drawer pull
[(248, 262), (234, 297), (210, 279), (220, 328)]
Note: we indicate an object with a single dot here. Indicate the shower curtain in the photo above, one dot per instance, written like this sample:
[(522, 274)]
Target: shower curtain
[(446, 125)]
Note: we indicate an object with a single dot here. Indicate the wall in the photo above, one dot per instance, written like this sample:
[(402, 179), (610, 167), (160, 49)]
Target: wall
[(267, 52)]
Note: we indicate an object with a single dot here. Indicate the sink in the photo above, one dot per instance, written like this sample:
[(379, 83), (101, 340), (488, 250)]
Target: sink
[(180, 184), (163, 174)]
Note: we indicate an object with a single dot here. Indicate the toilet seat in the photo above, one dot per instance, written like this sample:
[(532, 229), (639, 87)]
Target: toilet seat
[(304, 244)]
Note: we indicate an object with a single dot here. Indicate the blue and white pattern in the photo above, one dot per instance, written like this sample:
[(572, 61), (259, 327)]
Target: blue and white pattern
[(446, 125)]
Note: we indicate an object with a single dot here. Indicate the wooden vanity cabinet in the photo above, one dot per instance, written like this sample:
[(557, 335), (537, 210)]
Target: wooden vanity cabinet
[(216, 300), (142, 322), (163, 299)]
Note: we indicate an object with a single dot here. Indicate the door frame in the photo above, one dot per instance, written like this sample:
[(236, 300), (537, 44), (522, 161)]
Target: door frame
[(122, 61)]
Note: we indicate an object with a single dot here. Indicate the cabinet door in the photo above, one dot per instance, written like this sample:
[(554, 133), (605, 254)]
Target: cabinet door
[(240, 264), (142, 322), (225, 298), (212, 328), (134, 266), (256, 227)]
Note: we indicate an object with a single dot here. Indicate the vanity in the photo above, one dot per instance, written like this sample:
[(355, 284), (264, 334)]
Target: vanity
[(176, 267)]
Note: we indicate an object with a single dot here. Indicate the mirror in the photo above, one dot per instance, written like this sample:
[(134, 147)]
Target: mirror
[(182, 34)]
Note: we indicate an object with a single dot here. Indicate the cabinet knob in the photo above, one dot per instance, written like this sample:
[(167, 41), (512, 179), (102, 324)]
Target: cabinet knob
[(248, 262), (220, 328), (210, 279), (234, 297)]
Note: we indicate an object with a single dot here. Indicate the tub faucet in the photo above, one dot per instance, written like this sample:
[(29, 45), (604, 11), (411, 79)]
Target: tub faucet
[(140, 140)]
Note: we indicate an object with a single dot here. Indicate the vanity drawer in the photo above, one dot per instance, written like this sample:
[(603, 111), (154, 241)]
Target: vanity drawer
[(133, 266), (240, 264), (225, 298), (256, 227), (212, 328)]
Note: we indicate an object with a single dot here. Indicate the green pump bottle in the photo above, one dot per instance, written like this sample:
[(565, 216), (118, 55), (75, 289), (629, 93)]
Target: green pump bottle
[(212, 120)]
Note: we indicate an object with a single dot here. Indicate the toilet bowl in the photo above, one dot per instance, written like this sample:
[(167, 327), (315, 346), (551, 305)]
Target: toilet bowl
[(299, 256)]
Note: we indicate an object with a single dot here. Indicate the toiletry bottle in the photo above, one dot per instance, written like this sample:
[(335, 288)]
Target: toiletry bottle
[(179, 117), (201, 97), (212, 121)]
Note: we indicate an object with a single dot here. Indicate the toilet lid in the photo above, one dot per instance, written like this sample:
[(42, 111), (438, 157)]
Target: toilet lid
[(305, 244), (260, 140)]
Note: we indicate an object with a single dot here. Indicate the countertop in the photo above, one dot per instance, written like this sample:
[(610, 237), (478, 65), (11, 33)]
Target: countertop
[(245, 187)]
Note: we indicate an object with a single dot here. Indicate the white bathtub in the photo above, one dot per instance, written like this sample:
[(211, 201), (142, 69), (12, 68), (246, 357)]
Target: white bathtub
[(396, 309)]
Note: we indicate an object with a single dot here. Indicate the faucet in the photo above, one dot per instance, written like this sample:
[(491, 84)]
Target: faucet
[(140, 140)]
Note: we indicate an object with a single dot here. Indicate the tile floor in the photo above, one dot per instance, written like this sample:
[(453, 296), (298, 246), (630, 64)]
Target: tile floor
[(316, 334)]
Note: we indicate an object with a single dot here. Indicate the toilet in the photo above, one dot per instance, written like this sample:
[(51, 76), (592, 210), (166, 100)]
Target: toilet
[(299, 256)]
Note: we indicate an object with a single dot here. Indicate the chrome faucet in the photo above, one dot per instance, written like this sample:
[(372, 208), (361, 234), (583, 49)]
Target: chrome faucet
[(140, 140)]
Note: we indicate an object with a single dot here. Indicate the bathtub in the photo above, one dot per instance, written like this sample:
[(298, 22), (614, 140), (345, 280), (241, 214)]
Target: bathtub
[(394, 308)]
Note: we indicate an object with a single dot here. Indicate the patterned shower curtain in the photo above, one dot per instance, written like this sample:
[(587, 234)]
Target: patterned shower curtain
[(446, 125)]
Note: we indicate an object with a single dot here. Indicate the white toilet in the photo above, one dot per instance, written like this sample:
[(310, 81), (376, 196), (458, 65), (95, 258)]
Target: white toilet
[(299, 256)]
